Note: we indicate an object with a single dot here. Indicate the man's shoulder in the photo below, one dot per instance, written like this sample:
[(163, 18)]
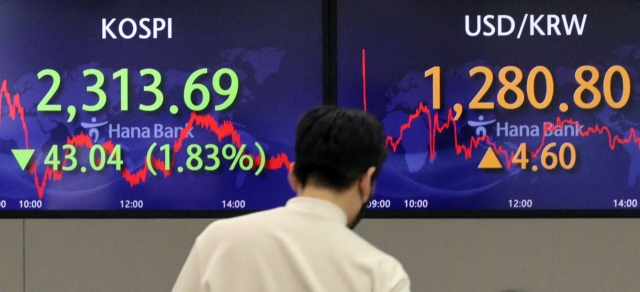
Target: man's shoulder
[(250, 218), (388, 273), (377, 256), (242, 223)]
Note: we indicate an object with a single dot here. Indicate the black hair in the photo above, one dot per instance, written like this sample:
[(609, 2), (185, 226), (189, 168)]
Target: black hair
[(335, 147)]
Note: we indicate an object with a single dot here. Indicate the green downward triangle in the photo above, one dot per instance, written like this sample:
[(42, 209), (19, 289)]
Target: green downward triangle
[(23, 156)]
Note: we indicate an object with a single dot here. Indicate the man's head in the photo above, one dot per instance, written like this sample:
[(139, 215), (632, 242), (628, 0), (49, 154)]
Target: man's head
[(339, 151)]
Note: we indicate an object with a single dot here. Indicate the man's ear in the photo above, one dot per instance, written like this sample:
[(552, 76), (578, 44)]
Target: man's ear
[(366, 184), (294, 183)]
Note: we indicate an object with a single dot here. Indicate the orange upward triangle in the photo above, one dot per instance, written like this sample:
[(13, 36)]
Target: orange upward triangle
[(490, 160)]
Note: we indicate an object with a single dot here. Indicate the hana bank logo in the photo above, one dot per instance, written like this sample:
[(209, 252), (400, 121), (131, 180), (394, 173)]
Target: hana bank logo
[(93, 128), (479, 125)]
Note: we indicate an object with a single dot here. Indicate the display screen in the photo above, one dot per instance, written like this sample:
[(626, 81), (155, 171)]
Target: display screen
[(494, 105), (154, 105)]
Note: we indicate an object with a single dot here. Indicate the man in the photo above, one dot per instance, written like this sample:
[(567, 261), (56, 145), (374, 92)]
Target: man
[(306, 245)]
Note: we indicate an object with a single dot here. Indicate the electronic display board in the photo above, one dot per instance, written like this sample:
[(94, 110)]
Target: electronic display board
[(153, 105), (498, 105)]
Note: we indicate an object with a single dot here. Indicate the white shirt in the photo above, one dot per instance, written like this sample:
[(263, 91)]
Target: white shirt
[(304, 246)]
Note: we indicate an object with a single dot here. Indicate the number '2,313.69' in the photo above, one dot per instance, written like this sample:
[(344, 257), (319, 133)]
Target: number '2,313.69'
[(190, 89)]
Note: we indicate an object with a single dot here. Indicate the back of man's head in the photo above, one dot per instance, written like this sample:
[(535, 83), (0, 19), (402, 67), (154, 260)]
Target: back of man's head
[(335, 147)]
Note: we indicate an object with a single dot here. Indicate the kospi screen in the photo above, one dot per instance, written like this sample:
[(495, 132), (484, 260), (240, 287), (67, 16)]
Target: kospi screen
[(153, 105), (496, 105)]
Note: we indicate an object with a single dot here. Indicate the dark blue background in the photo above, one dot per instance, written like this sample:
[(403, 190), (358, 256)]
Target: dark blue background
[(66, 36), (404, 38)]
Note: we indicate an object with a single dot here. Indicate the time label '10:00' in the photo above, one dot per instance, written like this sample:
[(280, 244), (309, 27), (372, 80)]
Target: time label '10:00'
[(419, 204)]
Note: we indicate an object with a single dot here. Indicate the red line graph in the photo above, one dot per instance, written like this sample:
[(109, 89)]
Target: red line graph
[(14, 107), (436, 127), (207, 122), (364, 80)]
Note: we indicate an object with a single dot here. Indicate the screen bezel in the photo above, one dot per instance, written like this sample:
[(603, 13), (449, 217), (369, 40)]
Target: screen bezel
[(329, 87)]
